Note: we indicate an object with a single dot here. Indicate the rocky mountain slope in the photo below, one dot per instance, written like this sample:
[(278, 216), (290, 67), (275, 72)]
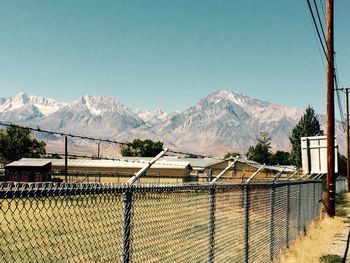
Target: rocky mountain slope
[(223, 121)]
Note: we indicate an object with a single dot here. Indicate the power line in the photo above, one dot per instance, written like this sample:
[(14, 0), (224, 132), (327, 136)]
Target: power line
[(340, 106), (319, 21), (316, 35), (324, 13), (336, 78), (341, 112), (38, 129), (317, 30), (50, 154)]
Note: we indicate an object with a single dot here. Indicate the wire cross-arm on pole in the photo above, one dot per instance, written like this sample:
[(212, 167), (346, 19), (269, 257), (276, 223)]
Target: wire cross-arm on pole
[(223, 172), (254, 174), (144, 169), (278, 175)]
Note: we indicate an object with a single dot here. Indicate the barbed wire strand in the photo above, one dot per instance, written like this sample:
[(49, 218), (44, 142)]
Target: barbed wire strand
[(110, 141)]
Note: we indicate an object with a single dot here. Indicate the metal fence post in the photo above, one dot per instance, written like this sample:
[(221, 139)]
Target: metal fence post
[(314, 203), (272, 218), (246, 222), (211, 233), (307, 206), (288, 213), (127, 225), (311, 204), (299, 207), (319, 197)]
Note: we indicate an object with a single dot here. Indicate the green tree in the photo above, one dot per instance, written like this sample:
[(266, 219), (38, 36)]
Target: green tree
[(54, 156), (261, 151), (17, 143), (308, 125), (232, 154), (142, 148), (280, 157)]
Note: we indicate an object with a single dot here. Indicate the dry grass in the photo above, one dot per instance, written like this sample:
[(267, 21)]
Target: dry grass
[(88, 228), (52, 229), (315, 243)]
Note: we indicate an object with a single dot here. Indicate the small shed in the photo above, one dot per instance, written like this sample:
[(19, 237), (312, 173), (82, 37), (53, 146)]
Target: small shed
[(22, 171)]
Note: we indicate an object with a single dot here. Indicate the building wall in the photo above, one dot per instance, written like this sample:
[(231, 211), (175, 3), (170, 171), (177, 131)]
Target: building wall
[(28, 176), (120, 179), (122, 175), (216, 168), (166, 172)]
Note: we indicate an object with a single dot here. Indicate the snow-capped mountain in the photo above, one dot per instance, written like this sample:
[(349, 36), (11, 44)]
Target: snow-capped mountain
[(23, 107), (152, 117), (97, 116), (223, 121)]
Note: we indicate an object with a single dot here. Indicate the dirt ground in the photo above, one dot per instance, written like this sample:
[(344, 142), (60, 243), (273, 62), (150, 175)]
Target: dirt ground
[(340, 238), (325, 237)]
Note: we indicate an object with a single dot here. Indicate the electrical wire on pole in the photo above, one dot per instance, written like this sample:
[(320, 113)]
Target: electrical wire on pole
[(317, 29), (319, 20), (323, 43), (332, 80)]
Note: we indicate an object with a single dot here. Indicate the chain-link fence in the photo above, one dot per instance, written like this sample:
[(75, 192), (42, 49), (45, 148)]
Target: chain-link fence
[(154, 223), (340, 184)]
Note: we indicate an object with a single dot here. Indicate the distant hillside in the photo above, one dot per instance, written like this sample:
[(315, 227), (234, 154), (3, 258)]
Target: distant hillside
[(223, 121)]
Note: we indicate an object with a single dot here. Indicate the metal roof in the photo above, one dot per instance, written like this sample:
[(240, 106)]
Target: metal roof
[(281, 168), (246, 161), (277, 168), (160, 164), (38, 163), (205, 162), (194, 162)]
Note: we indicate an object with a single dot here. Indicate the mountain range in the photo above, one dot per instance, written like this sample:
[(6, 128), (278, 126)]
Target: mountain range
[(223, 121)]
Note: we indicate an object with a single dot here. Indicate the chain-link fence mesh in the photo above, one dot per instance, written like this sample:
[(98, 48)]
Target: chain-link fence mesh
[(154, 223), (170, 226), (280, 233), (46, 223), (340, 184), (229, 224)]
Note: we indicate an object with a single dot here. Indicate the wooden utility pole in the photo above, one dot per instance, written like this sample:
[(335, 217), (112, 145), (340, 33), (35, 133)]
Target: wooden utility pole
[(330, 202), (347, 138), (346, 90)]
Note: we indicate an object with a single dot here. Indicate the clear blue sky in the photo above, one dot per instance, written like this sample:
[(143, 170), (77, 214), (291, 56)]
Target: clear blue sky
[(167, 54)]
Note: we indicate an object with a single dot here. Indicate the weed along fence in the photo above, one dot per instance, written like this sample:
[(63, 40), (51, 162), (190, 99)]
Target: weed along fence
[(251, 222)]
